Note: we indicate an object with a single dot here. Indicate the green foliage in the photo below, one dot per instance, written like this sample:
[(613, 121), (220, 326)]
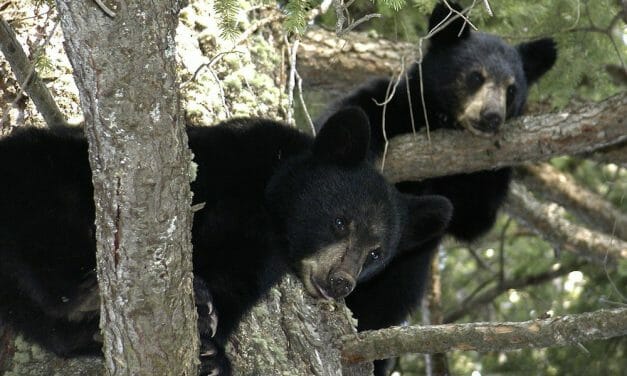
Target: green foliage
[(227, 11), (393, 4), (296, 12)]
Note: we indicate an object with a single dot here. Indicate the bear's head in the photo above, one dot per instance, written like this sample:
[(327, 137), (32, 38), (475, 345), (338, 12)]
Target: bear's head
[(478, 80), (341, 220)]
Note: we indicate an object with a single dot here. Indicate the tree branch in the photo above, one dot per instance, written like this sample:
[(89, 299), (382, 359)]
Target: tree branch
[(558, 331), (531, 138), (489, 295), (588, 206), (564, 235), (291, 333), (27, 77)]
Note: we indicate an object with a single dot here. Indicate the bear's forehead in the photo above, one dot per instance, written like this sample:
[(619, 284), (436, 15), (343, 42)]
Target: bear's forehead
[(490, 54)]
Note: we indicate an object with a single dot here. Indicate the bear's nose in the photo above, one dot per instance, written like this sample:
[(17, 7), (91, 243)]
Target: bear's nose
[(340, 284), (490, 122)]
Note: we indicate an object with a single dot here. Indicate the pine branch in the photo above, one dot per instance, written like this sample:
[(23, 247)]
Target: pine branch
[(507, 336), (563, 234)]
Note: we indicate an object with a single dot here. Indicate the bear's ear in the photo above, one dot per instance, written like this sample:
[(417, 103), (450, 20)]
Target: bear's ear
[(345, 137), (427, 218), (455, 31), (538, 57)]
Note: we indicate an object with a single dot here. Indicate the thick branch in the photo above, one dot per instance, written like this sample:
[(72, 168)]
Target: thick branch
[(290, 333), (587, 205), (490, 295), (532, 138), (564, 235), (558, 331), (27, 76)]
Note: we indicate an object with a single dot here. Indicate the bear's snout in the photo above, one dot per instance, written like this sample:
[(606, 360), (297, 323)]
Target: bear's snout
[(340, 284)]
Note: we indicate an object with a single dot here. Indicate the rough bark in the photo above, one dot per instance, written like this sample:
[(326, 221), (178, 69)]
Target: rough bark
[(19, 357), (290, 333), (530, 139), (506, 336), (588, 206), (548, 221), (124, 68)]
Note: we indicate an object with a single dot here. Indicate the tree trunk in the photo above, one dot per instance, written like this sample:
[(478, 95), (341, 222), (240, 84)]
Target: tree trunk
[(124, 67)]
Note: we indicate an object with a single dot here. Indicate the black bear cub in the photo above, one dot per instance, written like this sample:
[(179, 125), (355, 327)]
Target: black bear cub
[(274, 200), (472, 81)]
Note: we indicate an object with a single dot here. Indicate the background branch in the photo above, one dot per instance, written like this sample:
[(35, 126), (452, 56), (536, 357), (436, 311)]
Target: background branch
[(563, 234), (472, 303), (588, 206)]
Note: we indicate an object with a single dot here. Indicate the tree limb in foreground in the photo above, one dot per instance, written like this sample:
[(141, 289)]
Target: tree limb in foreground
[(27, 77), (531, 138), (595, 246), (558, 331), (593, 209)]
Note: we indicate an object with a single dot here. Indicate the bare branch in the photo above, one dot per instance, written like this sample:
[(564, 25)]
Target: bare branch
[(532, 138), (558, 331), (564, 235), (588, 206), (488, 296), (27, 76)]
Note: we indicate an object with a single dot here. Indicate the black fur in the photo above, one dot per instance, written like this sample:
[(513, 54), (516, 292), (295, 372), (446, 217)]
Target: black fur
[(456, 56), (271, 195)]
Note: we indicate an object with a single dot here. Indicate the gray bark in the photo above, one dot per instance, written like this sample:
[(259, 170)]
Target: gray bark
[(506, 336), (290, 333), (124, 68)]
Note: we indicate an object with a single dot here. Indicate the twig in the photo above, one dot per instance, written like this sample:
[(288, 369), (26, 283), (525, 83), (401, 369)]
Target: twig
[(105, 9), (473, 301), (293, 49), (304, 105)]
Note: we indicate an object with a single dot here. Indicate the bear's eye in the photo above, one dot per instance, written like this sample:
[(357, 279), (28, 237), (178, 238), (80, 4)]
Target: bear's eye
[(475, 80), (374, 255), (339, 225), (511, 92)]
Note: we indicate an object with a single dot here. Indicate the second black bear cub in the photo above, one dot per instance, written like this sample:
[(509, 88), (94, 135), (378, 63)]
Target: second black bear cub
[(274, 199), (473, 81)]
